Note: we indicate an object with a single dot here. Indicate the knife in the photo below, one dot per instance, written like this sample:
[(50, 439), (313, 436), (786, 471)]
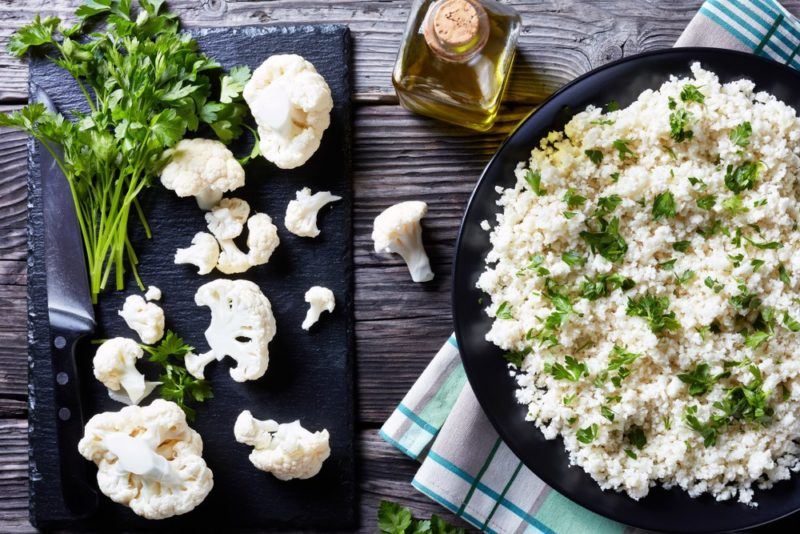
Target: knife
[(71, 317)]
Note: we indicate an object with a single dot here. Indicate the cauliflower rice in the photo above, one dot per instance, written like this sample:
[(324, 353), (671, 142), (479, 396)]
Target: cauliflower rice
[(645, 278)]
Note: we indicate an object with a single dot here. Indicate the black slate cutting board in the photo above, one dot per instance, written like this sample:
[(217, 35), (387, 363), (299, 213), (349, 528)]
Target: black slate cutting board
[(310, 374)]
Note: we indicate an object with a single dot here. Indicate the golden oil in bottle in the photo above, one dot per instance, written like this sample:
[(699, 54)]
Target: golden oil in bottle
[(455, 60)]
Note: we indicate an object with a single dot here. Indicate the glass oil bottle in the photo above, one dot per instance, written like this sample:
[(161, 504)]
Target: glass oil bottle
[(455, 60)]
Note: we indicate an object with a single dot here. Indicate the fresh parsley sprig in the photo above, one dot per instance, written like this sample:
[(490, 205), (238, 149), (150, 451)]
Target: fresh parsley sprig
[(396, 519)]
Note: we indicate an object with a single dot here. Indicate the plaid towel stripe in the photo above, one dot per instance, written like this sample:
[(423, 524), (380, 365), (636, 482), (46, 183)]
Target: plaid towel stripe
[(465, 467)]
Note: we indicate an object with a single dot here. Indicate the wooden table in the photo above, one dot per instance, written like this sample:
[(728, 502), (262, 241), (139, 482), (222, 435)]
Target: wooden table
[(398, 156)]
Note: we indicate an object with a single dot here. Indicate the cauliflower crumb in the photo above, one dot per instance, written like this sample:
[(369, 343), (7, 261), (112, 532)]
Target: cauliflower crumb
[(152, 293), (301, 213)]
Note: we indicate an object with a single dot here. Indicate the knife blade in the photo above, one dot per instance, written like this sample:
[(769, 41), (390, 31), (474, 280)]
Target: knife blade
[(71, 317)]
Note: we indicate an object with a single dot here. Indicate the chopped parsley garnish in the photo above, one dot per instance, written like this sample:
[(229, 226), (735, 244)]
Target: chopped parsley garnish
[(571, 420), (572, 371), (697, 181), (734, 205), (792, 324), (706, 202), (756, 264), (655, 311), (516, 357), (745, 300), (691, 93), (636, 437), (783, 274), (699, 380), (771, 245), (573, 200), (607, 205), (668, 265), (737, 179), (759, 203), (619, 363), (588, 434), (602, 122), (764, 328), (740, 136), (736, 259), (684, 277), (534, 179), (664, 206), (613, 105), (678, 125), (595, 155), (603, 285), (622, 148), (713, 284), (631, 454), (681, 246), (615, 177), (607, 241), (708, 431), (568, 214), (606, 412), (504, 311), (573, 258), (567, 400)]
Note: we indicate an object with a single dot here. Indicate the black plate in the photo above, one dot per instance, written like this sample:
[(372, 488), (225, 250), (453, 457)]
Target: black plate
[(488, 375)]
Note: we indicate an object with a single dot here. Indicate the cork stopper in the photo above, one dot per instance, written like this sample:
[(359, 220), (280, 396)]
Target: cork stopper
[(456, 30)]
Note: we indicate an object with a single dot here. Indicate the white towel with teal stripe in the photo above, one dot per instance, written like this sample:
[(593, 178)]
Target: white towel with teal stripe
[(465, 466)]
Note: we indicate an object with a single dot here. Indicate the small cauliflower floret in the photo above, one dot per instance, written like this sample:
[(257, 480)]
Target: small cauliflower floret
[(398, 230), (204, 253), (301, 214), (291, 104), (321, 299), (242, 325), (287, 451), (203, 168), (262, 239), (146, 318), (152, 293), (226, 222), (148, 459), (115, 366)]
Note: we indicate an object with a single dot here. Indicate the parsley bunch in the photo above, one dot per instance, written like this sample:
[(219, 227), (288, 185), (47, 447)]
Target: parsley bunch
[(396, 519), (177, 385), (146, 84)]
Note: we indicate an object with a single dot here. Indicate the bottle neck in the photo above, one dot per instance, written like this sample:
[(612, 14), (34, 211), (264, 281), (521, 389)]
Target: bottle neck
[(456, 30)]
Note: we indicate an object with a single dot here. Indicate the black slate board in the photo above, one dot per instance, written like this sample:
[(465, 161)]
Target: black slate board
[(310, 375)]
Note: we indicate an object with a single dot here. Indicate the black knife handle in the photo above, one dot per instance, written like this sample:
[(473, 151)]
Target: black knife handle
[(66, 330)]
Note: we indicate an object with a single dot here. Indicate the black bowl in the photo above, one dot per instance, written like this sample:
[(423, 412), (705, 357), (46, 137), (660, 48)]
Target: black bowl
[(488, 375)]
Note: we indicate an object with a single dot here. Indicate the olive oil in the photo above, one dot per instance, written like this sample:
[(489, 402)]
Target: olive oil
[(455, 60)]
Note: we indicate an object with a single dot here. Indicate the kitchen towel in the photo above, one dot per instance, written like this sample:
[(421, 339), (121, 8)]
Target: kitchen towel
[(465, 466)]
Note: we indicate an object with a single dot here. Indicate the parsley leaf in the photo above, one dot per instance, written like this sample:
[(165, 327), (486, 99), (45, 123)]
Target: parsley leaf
[(603, 284), (619, 363), (393, 518), (691, 93), (792, 324), (573, 200), (595, 155), (624, 151), (655, 311), (679, 125), (607, 241), (607, 412), (706, 202), (684, 277), (636, 437), (737, 179), (713, 284), (607, 205), (771, 245), (664, 206), (573, 371), (740, 136), (233, 83), (734, 205), (681, 246), (783, 274), (588, 434), (504, 311), (699, 380), (573, 258), (534, 179), (516, 358)]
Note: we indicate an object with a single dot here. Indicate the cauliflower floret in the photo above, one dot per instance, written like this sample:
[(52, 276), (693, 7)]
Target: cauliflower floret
[(204, 253), (286, 450), (301, 214), (242, 325), (146, 318), (152, 293), (321, 299), (115, 366), (398, 230), (203, 168), (226, 221), (148, 459), (291, 104)]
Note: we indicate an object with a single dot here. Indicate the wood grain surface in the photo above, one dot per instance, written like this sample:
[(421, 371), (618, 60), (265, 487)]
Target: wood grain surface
[(398, 156)]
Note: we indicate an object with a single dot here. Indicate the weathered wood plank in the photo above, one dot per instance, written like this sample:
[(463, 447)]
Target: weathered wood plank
[(385, 474), (560, 40)]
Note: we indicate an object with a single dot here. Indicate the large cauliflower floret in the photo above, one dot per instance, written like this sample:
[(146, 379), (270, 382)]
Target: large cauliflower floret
[(115, 366), (148, 458), (226, 221), (286, 450), (146, 318), (320, 299), (203, 168), (204, 253), (242, 325), (301, 214), (398, 230), (292, 106)]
